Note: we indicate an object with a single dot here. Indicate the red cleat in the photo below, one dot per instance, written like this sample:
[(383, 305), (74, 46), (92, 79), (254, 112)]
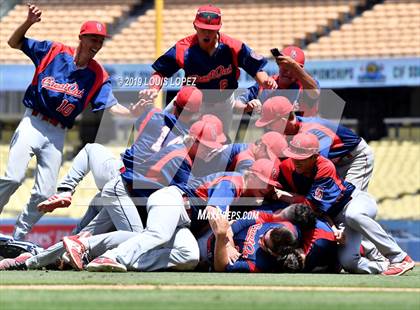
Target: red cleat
[(76, 250), (104, 264), (17, 263), (397, 269), (61, 200)]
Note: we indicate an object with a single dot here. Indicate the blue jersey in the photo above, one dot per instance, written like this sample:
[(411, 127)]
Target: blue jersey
[(246, 236), (233, 157), (60, 90), (335, 141), (320, 247), (219, 190), (155, 130), (219, 71), (323, 189), (170, 166)]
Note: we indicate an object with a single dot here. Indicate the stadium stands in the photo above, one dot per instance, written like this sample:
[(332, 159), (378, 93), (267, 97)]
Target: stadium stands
[(389, 29), (61, 21), (261, 24)]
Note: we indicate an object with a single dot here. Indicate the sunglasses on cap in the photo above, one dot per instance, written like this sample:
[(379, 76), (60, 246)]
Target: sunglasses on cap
[(210, 18)]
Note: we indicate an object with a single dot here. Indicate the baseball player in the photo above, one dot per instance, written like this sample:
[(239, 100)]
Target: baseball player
[(66, 80), (350, 153), (165, 207), (259, 243), (292, 82), (240, 156), (166, 213), (320, 249), (171, 165), (212, 61), (312, 179), (155, 130)]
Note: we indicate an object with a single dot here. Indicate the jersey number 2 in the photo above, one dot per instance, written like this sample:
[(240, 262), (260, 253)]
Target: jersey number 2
[(66, 108)]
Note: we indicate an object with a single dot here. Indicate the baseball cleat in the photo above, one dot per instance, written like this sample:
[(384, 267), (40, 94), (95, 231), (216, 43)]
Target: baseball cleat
[(17, 263), (397, 269), (75, 250), (104, 264), (61, 200)]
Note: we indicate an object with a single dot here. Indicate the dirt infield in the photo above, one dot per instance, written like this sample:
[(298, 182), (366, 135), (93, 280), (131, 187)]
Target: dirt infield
[(209, 288)]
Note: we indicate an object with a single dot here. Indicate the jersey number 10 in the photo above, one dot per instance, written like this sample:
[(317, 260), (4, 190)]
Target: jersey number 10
[(66, 108)]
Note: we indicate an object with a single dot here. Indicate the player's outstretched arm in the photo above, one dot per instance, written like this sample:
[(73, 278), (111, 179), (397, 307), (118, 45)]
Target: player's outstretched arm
[(34, 16)]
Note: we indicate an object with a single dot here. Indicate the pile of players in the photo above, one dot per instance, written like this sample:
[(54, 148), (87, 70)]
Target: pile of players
[(182, 197), (295, 199)]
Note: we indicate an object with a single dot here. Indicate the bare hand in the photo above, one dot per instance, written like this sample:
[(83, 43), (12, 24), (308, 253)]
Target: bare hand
[(34, 14), (136, 109), (148, 94), (339, 235), (288, 63), (269, 83), (218, 222), (233, 253), (254, 105)]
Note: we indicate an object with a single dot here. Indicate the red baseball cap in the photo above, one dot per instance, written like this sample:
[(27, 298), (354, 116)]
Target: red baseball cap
[(302, 146), (94, 27), (208, 17), (205, 133), (221, 137), (274, 108), (295, 53), (276, 142), (189, 98), (266, 170)]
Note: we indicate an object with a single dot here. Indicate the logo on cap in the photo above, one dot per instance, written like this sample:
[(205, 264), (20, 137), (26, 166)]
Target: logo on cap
[(293, 54), (99, 26)]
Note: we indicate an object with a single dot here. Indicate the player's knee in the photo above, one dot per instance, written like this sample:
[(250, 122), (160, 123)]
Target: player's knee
[(350, 263), (189, 257), (160, 236), (354, 219)]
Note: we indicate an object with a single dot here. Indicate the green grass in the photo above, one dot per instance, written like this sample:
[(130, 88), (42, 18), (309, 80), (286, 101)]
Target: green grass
[(158, 298)]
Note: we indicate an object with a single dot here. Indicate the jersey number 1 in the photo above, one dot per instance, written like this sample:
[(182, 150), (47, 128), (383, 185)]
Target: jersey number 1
[(66, 108)]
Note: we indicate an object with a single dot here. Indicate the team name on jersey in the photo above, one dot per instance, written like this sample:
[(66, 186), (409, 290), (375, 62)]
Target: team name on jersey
[(248, 247), (213, 74), (67, 88)]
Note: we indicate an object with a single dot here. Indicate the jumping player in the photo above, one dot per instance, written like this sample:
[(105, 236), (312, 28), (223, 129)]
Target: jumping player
[(66, 80), (213, 60)]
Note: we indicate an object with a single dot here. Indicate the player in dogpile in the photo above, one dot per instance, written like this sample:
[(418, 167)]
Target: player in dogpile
[(316, 221)]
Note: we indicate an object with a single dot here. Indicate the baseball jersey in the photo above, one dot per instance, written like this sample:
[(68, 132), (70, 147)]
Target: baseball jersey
[(233, 157), (323, 189), (320, 247), (335, 141), (246, 236), (155, 130), (218, 189), (294, 92), (60, 90), (219, 71), (170, 166)]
